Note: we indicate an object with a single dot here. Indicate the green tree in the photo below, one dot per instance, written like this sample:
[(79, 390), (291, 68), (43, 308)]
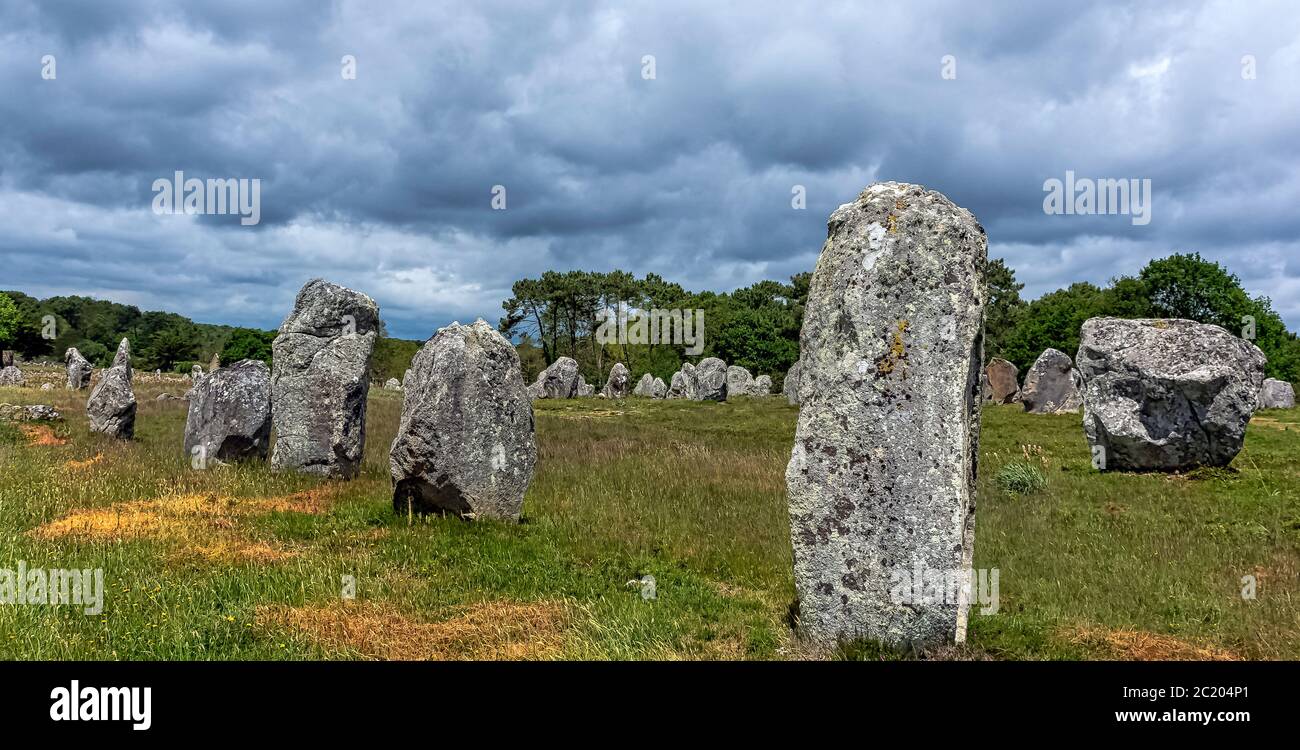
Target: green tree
[(248, 343), (170, 345), (10, 321), (1003, 310)]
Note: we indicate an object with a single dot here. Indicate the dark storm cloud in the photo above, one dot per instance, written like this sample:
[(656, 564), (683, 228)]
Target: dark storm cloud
[(384, 182)]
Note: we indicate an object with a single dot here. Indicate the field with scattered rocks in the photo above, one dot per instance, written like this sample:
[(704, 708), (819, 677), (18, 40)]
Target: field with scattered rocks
[(238, 562)]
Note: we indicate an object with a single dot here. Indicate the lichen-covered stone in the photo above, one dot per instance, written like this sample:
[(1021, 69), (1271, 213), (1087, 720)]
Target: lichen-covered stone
[(111, 406), (739, 381), (559, 380), (619, 384), (881, 480), (78, 369), (790, 389), (710, 377), (12, 376), (1276, 394), (465, 443), (762, 386)]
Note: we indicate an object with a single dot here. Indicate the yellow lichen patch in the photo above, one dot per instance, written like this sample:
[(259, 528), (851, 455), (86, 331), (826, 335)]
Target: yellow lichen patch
[(897, 350), (498, 630), (41, 434), (78, 465), (1138, 645)]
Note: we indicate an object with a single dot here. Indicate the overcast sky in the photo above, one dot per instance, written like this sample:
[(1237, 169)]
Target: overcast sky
[(384, 182)]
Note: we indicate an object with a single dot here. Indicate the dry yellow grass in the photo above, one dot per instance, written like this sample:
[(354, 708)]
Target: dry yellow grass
[(40, 434), (75, 465), (498, 630), (205, 525), (1137, 645)]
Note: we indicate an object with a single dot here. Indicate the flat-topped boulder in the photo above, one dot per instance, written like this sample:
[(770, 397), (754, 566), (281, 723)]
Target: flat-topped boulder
[(1166, 394), (320, 379)]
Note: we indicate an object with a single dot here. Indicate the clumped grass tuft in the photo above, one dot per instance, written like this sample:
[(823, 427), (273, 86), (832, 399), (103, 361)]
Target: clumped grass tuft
[(1021, 479)]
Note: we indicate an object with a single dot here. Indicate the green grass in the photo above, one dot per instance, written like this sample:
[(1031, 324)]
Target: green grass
[(691, 493)]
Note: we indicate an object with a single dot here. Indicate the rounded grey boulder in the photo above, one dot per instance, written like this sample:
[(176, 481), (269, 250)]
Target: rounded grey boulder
[(739, 381), (881, 479), (1052, 385), (559, 380), (710, 377), (618, 385), (1166, 394), (465, 443), (12, 376), (230, 414), (1276, 394), (320, 379)]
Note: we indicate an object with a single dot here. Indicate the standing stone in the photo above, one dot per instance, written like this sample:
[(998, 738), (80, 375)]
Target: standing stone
[(6, 359), (78, 369), (465, 443), (1004, 387), (111, 407), (618, 384), (1052, 385), (645, 386), (1166, 394), (762, 386), (585, 389), (881, 480), (320, 378), (392, 384), (739, 381), (230, 414), (658, 389), (559, 380), (710, 380), (683, 384), (986, 393), (1276, 394), (12, 376), (790, 389), (196, 372)]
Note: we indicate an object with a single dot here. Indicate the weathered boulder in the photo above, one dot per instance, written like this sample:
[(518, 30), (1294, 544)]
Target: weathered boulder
[(1003, 383), (739, 381), (111, 407), (29, 413), (1052, 385), (644, 386), (585, 389), (710, 377), (559, 380), (790, 389), (881, 480), (392, 384), (230, 414), (12, 376), (196, 371), (320, 378), (619, 383), (1165, 394), (658, 389), (78, 369), (683, 384), (465, 443), (762, 386), (1276, 394)]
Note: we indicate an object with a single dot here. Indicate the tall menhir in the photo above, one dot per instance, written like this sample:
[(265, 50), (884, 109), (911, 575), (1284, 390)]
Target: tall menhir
[(320, 379), (881, 480)]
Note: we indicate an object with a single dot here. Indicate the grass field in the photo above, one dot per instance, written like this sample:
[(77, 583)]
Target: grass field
[(241, 563)]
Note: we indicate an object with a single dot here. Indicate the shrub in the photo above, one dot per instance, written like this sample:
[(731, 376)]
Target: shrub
[(1021, 479)]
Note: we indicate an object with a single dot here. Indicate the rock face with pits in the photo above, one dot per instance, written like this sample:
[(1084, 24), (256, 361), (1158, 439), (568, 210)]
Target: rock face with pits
[(320, 380), (111, 407), (1052, 385), (230, 414), (1166, 394), (881, 479), (465, 443)]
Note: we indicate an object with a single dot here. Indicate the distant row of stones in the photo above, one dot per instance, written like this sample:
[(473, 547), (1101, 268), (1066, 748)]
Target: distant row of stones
[(710, 380)]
